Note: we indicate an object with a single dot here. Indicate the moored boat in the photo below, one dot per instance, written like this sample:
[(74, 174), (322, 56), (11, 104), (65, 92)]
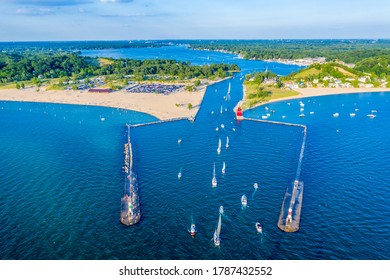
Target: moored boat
[(371, 116), (336, 115)]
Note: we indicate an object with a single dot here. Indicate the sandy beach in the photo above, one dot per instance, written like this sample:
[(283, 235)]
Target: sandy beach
[(159, 105)]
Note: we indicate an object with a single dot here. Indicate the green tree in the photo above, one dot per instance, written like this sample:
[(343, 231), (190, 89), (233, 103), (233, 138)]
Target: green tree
[(17, 86), (197, 83), (189, 106)]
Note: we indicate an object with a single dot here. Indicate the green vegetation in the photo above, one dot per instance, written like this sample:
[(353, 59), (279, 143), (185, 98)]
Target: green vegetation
[(348, 51), (262, 87), (39, 67)]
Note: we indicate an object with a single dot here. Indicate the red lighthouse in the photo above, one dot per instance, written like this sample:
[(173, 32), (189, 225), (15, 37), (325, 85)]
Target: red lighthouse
[(239, 113)]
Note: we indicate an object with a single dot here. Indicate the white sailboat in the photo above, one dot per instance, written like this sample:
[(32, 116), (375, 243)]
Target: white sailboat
[(223, 168), (227, 142), (219, 146), (214, 180), (217, 232)]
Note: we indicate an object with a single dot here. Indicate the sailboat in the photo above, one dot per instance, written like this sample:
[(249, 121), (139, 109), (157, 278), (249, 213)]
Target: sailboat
[(217, 240), (227, 142), (221, 109), (214, 180), (219, 146), (223, 168), (228, 93), (179, 174)]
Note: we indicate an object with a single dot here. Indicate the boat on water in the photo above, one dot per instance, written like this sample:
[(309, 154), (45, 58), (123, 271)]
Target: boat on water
[(193, 230), (217, 232), (374, 111), (302, 115), (179, 174), (214, 180), (219, 146), (222, 126), (179, 141), (371, 116), (301, 104), (259, 228), (221, 109), (336, 115), (256, 185), (227, 142), (283, 117), (302, 109), (311, 113), (352, 115), (216, 129), (244, 200), (221, 209), (264, 117), (223, 168)]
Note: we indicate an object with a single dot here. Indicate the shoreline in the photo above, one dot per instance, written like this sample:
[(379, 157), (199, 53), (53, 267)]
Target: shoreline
[(163, 107), (316, 92)]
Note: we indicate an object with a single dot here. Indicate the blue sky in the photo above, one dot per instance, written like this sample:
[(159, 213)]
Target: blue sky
[(27, 20)]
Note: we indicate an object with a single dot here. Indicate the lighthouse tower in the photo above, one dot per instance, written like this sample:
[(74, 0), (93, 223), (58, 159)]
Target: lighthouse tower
[(239, 113)]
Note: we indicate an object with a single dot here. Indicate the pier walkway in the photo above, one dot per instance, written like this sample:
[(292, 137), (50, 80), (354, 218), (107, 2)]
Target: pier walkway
[(290, 212), (130, 208)]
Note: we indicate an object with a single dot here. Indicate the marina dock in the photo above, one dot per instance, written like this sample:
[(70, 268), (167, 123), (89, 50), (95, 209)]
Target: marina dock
[(130, 208)]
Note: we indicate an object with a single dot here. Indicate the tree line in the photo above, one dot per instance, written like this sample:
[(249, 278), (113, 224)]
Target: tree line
[(16, 67)]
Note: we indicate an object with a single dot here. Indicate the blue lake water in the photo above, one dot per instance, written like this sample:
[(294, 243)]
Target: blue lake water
[(61, 178)]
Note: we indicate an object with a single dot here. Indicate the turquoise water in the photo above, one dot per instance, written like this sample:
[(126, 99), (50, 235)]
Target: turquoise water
[(61, 179)]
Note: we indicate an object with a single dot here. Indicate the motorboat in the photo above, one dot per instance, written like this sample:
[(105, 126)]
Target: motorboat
[(222, 126), (336, 115), (216, 129), (221, 209), (227, 142), (352, 115), (179, 174), (179, 141), (244, 200), (259, 228), (371, 116), (311, 113), (302, 115), (193, 230), (223, 168), (256, 185), (219, 146)]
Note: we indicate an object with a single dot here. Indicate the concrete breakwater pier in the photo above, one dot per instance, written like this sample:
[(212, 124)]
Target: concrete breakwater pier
[(290, 212), (130, 207)]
